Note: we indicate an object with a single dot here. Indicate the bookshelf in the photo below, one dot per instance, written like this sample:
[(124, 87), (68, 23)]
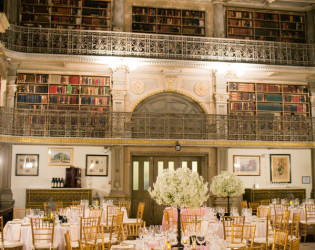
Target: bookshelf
[(63, 92), (66, 14), (269, 99), (277, 26), (168, 21)]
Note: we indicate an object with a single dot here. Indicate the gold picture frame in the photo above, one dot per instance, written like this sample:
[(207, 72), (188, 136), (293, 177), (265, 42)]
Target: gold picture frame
[(60, 156), (246, 165), (280, 168), (96, 165)]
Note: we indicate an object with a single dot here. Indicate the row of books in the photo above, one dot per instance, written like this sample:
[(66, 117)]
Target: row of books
[(296, 108), (270, 106), (242, 106), (241, 23), (143, 11), (95, 100), (66, 19), (242, 86), (292, 18), (32, 88), (242, 96), (268, 88), (269, 97), (263, 32), (239, 14), (267, 16), (95, 90), (299, 89), (32, 98), (295, 98), (144, 19), (69, 89), (64, 99), (66, 11), (240, 31), (90, 80), (95, 21), (96, 12)]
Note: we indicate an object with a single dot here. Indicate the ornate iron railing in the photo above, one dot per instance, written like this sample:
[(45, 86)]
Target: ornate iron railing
[(45, 123), (80, 42)]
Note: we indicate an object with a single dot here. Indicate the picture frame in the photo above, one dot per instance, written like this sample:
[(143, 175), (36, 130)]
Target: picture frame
[(306, 179), (27, 165), (60, 156), (96, 165), (246, 165), (280, 168)]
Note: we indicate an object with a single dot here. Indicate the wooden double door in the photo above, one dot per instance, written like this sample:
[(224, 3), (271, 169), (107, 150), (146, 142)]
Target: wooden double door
[(145, 170)]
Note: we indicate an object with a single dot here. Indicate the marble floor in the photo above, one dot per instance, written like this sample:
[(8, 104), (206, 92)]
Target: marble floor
[(307, 246)]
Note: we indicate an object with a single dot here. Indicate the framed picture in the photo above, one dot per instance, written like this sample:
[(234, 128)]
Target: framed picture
[(306, 179), (26, 165), (246, 165), (96, 165), (60, 156), (280, 168)]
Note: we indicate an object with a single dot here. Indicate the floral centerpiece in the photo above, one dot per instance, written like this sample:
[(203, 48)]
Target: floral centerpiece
[(227, 185), (181, 188)]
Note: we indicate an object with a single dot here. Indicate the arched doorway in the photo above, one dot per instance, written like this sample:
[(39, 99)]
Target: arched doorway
[(159, 114)]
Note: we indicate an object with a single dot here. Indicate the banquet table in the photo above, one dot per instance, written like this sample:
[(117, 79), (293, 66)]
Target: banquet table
[(293, 210), (19, 230)]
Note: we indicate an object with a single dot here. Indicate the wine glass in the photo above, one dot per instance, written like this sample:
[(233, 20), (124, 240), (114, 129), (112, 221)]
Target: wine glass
[(201, 238), (185, 240)]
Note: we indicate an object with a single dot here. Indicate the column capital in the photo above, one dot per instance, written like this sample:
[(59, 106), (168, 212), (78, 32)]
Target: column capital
[(221, 97), (119, 94)]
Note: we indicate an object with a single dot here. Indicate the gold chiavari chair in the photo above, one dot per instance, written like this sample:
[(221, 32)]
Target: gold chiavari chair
[(253, 206), (295, 244), (171, 217), (228, 222), (265, 202), (116, 230), (280, 239), (110, 212), (236, 240), (167, 222), (19, 213), (195, 211), (140, 211), (249, 234), (125, 204), (280, 208), (295, 226), (95, 213), (79, 208), (43, 233), (244, 204), (131, 230), (272, 222), (68, 241), (285, 222), (59, 204), (263, 212), (8, 244), (76, 203), (309, 220), (190, 222)]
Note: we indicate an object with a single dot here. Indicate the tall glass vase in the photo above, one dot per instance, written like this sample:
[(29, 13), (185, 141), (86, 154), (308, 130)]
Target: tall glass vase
[(228, 212), (179, 244)]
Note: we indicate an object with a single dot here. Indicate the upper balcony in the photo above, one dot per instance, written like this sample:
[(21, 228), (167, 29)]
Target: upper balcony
[(154, 128), (152, 46)]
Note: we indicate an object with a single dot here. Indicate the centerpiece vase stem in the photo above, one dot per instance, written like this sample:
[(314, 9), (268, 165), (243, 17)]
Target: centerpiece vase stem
[(228, 205), (179, 244)]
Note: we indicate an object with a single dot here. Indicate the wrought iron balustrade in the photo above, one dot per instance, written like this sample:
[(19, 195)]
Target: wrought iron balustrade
[(106, 43), (44, 123)]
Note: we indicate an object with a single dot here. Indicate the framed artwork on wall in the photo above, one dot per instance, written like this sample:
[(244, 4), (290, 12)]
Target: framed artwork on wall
[(26, 164), (248, 165), (96, 165), (60, 156), (280, 168)]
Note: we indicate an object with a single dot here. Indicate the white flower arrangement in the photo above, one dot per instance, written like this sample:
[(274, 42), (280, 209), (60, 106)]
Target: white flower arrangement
[(227, 184), (181, 188)]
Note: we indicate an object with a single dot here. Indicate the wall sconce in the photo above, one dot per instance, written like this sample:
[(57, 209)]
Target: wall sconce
[(177, 146)]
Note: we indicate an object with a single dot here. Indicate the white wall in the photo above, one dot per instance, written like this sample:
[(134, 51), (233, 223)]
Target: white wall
[(300, 166), (20, 183)]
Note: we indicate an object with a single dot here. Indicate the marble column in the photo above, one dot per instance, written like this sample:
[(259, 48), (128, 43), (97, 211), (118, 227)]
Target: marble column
[(218, 20), (117, 183), (11, 86), (118, 15), (310, 20), (6, 196)]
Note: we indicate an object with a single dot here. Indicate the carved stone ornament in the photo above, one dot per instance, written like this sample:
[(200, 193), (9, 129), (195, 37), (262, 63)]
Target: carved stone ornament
[(221, 97), (201, 89), (119, 94), (137, 87), (170, 84)]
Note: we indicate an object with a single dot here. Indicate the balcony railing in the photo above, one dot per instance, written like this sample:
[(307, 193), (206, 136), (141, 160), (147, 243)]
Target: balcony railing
[(80, 42), (43, 123)]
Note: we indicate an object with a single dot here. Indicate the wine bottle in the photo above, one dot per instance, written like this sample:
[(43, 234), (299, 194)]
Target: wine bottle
[(62, 184), (58, 183), (52, 182)]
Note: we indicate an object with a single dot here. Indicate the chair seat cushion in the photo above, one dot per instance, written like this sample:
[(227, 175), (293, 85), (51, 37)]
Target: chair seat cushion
[(262, 240), (11, 244), (75, 244), (45, 245), (235, 245), (309, 222)]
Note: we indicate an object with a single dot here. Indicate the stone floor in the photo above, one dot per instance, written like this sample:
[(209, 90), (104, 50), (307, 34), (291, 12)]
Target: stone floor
[(307, 246)]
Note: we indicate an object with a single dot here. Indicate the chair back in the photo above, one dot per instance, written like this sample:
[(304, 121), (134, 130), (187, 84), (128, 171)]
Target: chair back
[(254, 206), (285, 220), (95, 212), (263, 212), (249, 234), (79, 209), (236, 234), (295, 225), (110, 212), (295, 243), (43, 231), (68, 241), (171, 217), (228, 222), (19, 213), (244, 204), (309, 212), (88, 222), (265, 202), (190, 222), (116, 229), (140, 211), (195, 211), (76, 203), (125, 204), (94, 236), (280, 239)]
